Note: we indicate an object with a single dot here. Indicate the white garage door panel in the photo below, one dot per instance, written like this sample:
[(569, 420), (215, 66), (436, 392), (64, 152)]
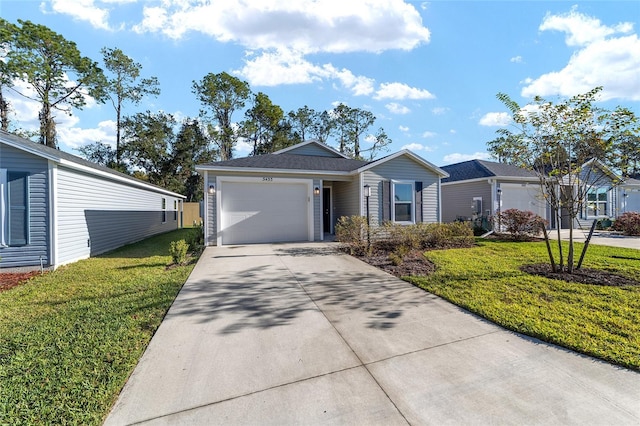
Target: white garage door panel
[(264, 212), (526, 198)]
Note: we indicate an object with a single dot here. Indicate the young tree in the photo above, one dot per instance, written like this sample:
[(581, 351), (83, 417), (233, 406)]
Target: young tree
[(60, 76), (556, 141), (125, 85), (221, 95)]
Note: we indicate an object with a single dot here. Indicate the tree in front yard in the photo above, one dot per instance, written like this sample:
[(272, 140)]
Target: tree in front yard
[(556, 141)]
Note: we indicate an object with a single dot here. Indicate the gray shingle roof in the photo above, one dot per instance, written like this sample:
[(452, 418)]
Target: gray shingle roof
[(477, 169), (292, 162)]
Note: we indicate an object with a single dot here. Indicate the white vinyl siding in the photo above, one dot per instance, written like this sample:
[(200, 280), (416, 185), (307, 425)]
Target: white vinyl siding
[(96, 214)]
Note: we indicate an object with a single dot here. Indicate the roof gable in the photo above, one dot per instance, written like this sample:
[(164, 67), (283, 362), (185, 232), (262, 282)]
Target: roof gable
[(424, 163), (312, 148)]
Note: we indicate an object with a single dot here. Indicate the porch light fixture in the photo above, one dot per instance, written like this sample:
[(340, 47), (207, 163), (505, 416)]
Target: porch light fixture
[(367, 191), (212, 189), (316, 190)]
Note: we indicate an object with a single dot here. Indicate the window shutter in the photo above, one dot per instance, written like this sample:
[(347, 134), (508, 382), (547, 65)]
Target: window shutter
[(18, 208), (418, 216), (386, 201)]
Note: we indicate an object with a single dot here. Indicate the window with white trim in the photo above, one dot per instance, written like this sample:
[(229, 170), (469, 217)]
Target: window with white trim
[(403, 198), (597, 199)]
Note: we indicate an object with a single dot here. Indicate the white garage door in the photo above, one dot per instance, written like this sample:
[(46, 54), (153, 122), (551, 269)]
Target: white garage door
[(264, 212), (522, 197)]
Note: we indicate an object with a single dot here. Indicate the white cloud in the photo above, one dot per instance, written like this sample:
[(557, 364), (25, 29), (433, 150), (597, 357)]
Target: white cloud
[(401, 91), (75, 137), (82, 10), (439, 110), (516, 59), (304, 25), (417, 147), (499, 119), (600, 59), (580, 29), (396, 108), (613, 64), (403, 129), (457, 157), (428, 134)]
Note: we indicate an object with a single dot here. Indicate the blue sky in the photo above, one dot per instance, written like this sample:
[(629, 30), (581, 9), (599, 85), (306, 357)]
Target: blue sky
[(429, 71)]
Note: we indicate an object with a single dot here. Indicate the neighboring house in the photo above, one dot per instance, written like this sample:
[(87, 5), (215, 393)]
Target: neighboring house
[(478, 189), (298, 193), (56, 208), (629, 197)]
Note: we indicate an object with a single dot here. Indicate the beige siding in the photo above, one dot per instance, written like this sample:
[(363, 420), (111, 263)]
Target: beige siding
[(402, 168)]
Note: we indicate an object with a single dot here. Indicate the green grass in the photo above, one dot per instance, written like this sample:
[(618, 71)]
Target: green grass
[(69, 339), (596, 320)]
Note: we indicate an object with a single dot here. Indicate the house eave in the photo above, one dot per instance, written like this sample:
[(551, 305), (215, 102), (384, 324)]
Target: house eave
[(494, 178), (263, 170)]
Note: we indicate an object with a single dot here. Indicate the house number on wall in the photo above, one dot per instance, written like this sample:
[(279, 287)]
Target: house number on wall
[(267, 179)]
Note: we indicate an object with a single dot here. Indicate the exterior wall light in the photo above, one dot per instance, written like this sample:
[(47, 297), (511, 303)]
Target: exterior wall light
[(212, 189), (316, 190), (367, 191)]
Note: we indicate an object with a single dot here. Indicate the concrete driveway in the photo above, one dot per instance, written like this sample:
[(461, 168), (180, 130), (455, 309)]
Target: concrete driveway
[(301, 334)]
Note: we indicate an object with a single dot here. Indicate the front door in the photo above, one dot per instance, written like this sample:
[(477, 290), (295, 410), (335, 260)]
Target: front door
[(326, 210)]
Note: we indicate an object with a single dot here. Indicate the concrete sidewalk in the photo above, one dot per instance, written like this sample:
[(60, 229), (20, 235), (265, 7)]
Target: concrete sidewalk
[(603, 238), (301, 334)]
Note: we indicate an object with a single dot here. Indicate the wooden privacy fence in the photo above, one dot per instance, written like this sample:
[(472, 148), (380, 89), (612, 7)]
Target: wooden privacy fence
[(191, 214)]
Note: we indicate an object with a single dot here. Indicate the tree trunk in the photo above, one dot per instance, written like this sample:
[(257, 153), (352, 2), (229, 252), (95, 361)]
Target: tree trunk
[(47, 127), (554, 267), (570, 255), (4, 112)]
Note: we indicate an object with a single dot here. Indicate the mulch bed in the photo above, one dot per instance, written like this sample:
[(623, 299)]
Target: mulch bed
[(582, 275), (11, 279), (413, 263)]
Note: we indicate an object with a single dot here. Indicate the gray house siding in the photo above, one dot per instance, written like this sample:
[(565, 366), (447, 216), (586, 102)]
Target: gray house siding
[(96, 214), (37, 248), (346, 199), (211, 207), (403, 169), (458, 197), (313, 150), (317, 211)]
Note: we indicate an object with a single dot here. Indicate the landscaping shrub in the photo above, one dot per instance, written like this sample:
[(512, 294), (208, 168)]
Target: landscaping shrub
[(628, 223), (195, 238), (351, 231), (424, 236), (519, 224), (178, 251)]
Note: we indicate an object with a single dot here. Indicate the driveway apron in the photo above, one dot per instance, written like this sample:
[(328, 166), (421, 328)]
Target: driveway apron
[(302, 334)]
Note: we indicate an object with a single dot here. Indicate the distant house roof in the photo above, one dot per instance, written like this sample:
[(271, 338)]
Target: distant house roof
[(478, 169), (74, 161)]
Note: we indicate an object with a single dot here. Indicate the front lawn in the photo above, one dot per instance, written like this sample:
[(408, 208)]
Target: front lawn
[(69, 339), (602, 321)]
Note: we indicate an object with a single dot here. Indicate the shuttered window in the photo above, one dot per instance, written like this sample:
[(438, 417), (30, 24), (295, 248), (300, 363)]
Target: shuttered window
[(18, 208), (403, 202)]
